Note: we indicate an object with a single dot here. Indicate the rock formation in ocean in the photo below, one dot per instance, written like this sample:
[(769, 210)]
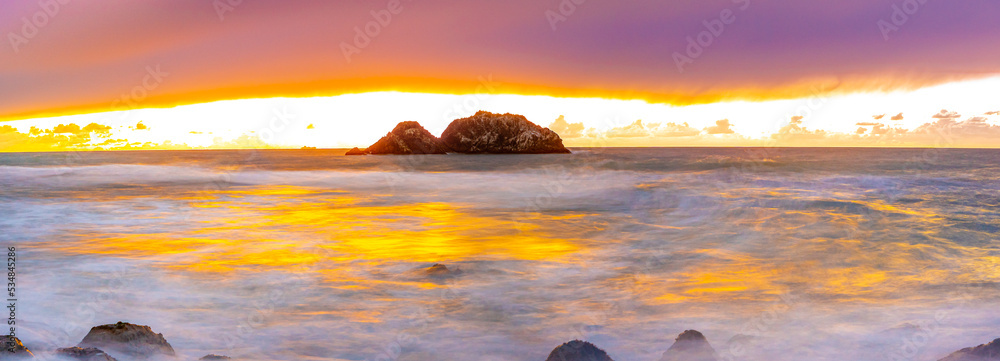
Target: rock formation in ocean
[(126, 339), (487, 132), (86, 354), (408, 138), (214, 357), (985, 352), (13, 343), (577, 350), (690, 345), (355, 151)]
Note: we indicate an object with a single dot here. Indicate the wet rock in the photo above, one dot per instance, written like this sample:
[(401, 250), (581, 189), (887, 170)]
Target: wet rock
[(492, 133), (408, 138), (127, 339), (87, 354), (577, 350), (215, 357), (13, 349), (984, 352), (442, 271), (355, 151), (690, 345)]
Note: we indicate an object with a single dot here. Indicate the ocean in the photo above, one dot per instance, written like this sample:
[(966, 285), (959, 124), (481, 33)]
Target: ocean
[(772, 253)]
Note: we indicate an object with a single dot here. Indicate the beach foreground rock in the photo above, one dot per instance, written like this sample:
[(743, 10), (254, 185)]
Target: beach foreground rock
[(8, 344), (984, 352), (87, 354), (690, 345), (577, 350), (408, 138), (126, 339), (492, 133)]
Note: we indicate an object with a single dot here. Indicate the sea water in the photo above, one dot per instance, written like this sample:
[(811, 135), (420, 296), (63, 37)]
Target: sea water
[(773, 254)]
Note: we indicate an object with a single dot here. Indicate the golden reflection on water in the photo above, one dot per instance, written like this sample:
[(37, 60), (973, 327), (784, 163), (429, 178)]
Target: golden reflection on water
[(330, 233), (278, 228)]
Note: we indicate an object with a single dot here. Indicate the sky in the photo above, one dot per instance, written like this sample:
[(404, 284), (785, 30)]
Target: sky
[(184, 74)]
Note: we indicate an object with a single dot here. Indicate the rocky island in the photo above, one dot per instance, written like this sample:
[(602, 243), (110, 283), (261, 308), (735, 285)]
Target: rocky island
[(482, 133)]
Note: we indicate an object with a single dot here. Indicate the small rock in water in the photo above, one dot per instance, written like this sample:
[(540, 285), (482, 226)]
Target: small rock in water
[(215, 357), (13, 343), (440, 270), (86, 354), (355, 151), (577, 350), (690, 345), (127, 339), (984, 352)]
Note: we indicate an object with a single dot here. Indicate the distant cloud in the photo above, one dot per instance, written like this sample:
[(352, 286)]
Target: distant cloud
[(795, 132), (867, 124), (60, 137), (945, 114), (140, 126), (566, 129), (75, 129), (721, 127), (633, 130), (674, 130), (897, 117), (860, 131), (877, 117), (193, 132), (993, 113), (310, 126)]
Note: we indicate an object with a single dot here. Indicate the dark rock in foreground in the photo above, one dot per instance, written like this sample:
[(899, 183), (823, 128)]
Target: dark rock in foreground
[(492, 133), (355, 151), (215, 357), (87, 354), (408, 138), (985, 352), (9, 343), (577, 350), (690, 345), (127, 339)]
